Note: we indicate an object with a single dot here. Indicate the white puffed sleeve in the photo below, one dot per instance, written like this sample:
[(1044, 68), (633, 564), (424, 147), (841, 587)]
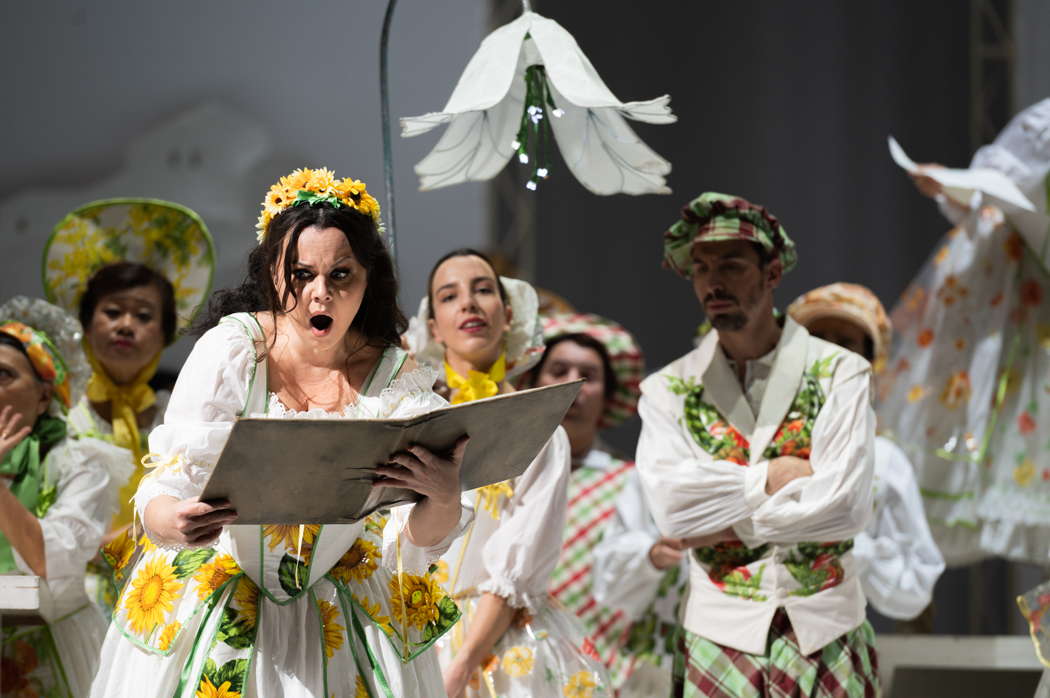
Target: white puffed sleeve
[(522, 552), (210, 393), (85, 501), (898, 562), (624, 576), (688, 496), (835, 502)]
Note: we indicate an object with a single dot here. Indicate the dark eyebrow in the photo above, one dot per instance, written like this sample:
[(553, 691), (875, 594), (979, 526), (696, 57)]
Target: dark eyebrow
[(473, 281)]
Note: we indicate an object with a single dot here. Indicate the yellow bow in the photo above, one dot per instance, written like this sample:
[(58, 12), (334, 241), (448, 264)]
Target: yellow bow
[(477, 384), (126, 402), (490, 497)]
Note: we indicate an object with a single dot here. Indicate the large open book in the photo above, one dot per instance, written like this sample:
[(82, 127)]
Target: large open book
[(297, 471)]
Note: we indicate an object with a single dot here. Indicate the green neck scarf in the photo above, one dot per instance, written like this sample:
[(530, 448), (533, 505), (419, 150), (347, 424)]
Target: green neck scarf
[(30, 484)]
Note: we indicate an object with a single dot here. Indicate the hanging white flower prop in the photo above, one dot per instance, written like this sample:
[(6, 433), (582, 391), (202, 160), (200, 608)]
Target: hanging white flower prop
[(528, 79)]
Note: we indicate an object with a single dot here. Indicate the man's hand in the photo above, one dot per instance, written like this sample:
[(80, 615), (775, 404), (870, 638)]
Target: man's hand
[(725, 536), (783, 470), (927, 186), (666, 552)]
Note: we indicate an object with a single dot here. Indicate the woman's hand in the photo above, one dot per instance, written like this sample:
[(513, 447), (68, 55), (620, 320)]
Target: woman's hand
[(11, 433), (188, 522), (421, 470), (927, 186), (437, 480), (727, 535)]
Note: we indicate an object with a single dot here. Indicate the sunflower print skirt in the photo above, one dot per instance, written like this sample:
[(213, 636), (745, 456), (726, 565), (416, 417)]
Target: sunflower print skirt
[(276, 610)]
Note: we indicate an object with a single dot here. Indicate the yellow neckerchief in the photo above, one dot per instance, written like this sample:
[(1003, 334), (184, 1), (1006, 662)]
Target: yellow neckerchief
[(477, 384), (126, 402)]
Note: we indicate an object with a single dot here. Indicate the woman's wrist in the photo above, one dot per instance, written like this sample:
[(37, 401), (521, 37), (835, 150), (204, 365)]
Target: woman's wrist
[(431, 520), (158, 517)]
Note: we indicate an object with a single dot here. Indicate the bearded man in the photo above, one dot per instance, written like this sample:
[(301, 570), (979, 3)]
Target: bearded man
[(756, 451)]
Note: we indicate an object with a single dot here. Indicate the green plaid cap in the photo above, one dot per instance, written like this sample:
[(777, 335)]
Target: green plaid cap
[(712, 217)]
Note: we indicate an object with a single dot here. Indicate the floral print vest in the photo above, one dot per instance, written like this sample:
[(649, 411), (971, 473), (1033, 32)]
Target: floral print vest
[(815, 566)]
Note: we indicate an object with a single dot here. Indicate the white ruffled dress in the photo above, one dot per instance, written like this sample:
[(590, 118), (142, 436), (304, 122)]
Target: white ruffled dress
[(510, 550), (61, 658), (275, 610)]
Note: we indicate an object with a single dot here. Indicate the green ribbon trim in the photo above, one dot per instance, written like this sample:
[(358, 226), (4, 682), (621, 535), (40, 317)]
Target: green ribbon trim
[(947, 496), (1000, 398), (228, 587), (30, 485), (377, 670)]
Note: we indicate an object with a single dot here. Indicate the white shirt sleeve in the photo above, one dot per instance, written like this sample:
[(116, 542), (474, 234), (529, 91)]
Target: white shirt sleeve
[(835, 502), (523, 551), (688, 496), (85, 501), (624, 577), (210, 393), (898, 561)]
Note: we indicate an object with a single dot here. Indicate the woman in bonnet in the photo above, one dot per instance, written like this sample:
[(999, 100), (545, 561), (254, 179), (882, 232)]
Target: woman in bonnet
[(484, 330), (220, 609)]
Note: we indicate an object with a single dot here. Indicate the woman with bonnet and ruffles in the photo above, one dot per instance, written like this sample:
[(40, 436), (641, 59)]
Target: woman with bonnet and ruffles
[(513, 640), (56, 499), (134, 271), (220, 609)]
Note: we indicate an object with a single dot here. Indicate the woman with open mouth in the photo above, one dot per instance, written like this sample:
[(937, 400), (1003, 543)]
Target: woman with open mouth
[(511, 641), (214, 608)]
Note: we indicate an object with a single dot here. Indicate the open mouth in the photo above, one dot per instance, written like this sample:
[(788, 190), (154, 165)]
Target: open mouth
[(321, 322), (473, 325)]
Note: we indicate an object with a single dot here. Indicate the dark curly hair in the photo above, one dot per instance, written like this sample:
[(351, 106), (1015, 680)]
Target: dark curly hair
[(121, 276), (379, 318)]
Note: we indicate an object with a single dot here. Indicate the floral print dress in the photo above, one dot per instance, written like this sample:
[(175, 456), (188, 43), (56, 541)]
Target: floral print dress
[(273, 610), (966, 391)]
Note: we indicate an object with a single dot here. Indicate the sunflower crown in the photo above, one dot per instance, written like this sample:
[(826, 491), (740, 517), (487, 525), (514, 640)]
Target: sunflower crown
[(306, 186)]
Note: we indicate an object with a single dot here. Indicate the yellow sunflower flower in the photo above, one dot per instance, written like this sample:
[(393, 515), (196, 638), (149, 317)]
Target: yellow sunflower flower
[(146, 544), (373, 610), (277, 199), (333, 632), (214, 574), (152, 594), (288, 534), (358, 563), (321, 180), (419, 600), (580, 685), (209, 690), (1024, 473), (360, 688), (119, 550), (166, 637), (247, 600), (440, 573), (518, 661), (298, 179)]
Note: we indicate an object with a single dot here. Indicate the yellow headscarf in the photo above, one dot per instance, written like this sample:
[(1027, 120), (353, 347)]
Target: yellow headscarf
[(477, 384), (126, 403)]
